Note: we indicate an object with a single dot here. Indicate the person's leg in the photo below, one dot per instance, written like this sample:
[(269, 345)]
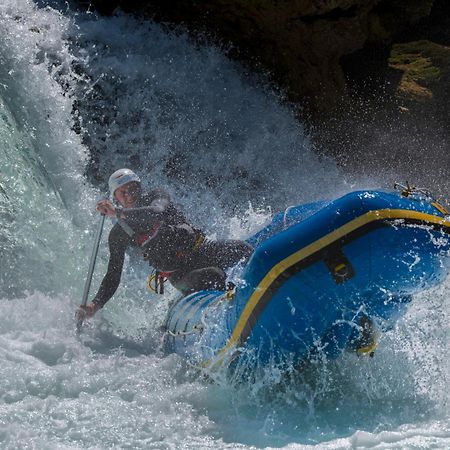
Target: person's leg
[(207, 278), (226, 253), (210, 262)]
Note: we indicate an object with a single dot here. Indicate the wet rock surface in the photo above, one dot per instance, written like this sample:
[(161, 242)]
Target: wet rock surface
[(300, 42), (371, 76)]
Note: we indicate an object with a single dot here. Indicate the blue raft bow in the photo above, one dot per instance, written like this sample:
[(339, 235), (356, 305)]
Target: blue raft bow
[(321, 276)]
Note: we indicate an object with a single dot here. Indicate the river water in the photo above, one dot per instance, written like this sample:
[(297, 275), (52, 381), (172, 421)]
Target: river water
[(81, 96)]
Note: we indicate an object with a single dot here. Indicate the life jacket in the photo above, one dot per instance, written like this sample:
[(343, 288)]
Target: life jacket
[(142, 238), (170, 247)]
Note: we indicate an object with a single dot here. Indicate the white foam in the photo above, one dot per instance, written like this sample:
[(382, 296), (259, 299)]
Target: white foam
[(168, 100)]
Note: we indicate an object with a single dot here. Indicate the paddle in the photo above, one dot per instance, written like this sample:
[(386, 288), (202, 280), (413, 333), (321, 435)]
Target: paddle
[(87, 285)]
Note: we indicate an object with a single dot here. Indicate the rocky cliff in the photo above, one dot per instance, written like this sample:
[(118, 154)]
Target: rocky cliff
[(300, 42), (372, 76)]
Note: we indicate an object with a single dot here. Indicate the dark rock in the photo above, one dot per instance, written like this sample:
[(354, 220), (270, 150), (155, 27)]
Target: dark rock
[(299, 42), (373, 74)]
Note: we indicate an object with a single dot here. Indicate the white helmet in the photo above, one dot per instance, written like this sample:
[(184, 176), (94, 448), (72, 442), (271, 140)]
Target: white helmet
[(121, 177)]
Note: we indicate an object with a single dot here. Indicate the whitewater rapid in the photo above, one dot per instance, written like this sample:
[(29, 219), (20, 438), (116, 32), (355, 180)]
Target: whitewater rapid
[(81, 96)]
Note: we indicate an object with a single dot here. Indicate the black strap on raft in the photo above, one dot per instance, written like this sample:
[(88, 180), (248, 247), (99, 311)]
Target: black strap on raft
[(368, 340), (230, 291), (339, 266)]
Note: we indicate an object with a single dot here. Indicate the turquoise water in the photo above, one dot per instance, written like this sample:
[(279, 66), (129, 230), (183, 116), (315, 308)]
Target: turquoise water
[(131, 93)]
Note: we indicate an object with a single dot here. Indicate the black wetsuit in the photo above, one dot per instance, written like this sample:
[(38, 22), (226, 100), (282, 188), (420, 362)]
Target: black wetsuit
[(171, 245)]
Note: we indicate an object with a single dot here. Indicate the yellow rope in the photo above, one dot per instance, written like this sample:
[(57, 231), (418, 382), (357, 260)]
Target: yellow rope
[(150, 279)]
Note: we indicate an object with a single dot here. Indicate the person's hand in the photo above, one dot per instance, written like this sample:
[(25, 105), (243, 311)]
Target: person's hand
[(106, 208), (86, 311)]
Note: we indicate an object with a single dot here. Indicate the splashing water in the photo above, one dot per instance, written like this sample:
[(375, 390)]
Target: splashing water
[(81, 96)]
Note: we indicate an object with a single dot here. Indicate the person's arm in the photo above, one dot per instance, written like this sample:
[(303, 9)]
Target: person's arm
[(106, 208), (117, 245), (111, 280), (160, 201), (156, 207)]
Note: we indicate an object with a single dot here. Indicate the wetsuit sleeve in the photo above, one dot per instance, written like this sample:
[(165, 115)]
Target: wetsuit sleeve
[(117, 245), (160, 201), (157, 203)]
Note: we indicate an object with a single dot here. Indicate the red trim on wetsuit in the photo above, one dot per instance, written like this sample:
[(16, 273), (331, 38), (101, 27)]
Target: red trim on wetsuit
[(166, 274), (142, 238)]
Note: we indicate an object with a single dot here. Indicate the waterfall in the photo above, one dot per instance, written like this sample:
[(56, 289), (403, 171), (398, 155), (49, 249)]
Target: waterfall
[(82, 95)]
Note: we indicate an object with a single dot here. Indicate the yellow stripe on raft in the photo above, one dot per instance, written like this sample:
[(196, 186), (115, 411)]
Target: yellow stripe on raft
[(440, 208), (278, 269)]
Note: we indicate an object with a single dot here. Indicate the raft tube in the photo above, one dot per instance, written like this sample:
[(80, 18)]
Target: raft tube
[(318, 272)]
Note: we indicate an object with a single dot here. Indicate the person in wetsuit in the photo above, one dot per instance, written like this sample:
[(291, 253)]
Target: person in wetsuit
[(172, 246)]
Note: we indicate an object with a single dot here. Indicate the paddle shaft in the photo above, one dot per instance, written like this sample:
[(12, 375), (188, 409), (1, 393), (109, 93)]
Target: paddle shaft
[(87, 285)]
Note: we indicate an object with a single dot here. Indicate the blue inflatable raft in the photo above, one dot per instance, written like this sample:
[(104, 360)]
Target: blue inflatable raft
[(321, 276)]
